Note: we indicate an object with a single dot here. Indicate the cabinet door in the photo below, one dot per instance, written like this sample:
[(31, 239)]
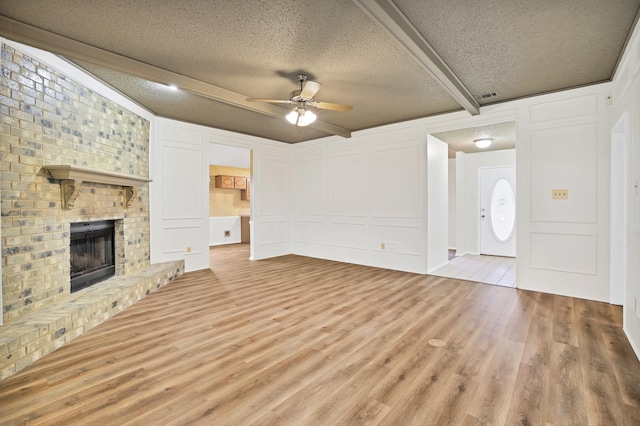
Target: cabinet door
[(245, 194), (225, 182), (239, 182)]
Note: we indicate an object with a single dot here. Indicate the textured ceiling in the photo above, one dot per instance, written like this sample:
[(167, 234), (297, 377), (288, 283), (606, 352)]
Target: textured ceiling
[(254, 48)]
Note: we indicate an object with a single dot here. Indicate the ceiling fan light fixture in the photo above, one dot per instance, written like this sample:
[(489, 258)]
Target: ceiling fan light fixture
[(483, 142), (301, 117), (292, 117)]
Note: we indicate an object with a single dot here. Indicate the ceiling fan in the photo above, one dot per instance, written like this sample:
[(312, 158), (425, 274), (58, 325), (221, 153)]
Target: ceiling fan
[(303, 98)]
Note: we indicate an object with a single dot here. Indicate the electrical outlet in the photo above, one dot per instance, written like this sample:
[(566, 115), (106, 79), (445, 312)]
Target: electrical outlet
[(188, 249), (559, 194), (227, 234)]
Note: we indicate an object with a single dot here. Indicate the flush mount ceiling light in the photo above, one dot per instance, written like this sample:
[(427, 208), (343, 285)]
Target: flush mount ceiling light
[(483, 142), (301, 117)]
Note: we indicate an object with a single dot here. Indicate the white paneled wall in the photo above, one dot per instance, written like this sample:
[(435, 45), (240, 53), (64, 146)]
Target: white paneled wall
[(363, 200), (271, 200), (551, 150), (438, 203), (179, 194), (563, 143), (452, 203), (626, 132)]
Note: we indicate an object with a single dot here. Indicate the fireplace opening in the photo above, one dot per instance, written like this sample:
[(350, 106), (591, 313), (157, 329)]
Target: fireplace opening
[(92, 253)]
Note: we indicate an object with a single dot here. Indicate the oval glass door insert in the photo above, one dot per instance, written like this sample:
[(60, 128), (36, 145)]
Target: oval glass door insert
[(503, 210)]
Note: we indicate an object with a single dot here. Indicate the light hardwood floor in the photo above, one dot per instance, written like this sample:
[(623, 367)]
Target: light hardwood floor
[(302, 341)]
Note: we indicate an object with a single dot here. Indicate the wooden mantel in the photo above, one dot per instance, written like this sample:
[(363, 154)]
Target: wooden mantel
[(71, 178)]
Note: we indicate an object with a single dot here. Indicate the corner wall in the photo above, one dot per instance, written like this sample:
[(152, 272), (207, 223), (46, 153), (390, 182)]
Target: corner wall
[(626, 106)]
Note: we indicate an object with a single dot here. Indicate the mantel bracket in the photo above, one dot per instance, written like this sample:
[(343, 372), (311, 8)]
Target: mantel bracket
[(129, 193), (70, 189)]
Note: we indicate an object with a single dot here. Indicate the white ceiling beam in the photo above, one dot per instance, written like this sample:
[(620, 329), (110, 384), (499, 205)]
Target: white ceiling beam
[(72, 49), (387, 14)]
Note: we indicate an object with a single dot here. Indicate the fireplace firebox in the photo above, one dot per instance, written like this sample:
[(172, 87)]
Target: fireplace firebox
[(92, 253)]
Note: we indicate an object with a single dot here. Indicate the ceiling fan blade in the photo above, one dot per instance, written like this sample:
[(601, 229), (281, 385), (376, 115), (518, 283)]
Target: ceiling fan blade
[(271, 101), (333, 107), (310, 89)]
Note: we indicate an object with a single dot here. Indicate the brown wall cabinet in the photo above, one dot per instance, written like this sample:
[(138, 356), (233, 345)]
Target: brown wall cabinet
[(230, 182), (235, 182), (239, 182), (224, 182)]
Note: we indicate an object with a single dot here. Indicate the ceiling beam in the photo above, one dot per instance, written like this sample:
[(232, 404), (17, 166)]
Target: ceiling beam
[(387, 14), (72, 49)]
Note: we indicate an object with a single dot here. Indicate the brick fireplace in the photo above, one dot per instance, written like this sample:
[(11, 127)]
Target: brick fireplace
[(92, 258), (50, 121)]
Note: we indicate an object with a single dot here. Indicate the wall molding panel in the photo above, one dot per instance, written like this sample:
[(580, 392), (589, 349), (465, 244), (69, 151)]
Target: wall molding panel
[(573, 107), (564, 252), (553, 152)]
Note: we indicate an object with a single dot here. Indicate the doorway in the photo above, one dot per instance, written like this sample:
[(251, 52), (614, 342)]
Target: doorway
[(474, 260), (230, 195)]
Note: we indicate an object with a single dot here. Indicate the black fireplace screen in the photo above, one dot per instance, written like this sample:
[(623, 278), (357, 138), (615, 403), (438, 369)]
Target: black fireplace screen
[(92, 253)]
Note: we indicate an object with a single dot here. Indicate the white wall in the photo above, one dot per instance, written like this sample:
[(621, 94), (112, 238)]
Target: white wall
[(467, 195), (437, 203), (451, 172), (179, 194), (563, 143), (626, 112), (364, 199), (218, 225)]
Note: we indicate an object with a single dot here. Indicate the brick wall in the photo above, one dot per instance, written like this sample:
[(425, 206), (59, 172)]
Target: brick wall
[(48, 119)]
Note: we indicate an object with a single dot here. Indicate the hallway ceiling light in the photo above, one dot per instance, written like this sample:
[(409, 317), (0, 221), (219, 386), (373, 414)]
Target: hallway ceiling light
[(483, 142)]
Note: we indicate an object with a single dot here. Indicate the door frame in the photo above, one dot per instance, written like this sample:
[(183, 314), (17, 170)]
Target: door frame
[(618, 210)]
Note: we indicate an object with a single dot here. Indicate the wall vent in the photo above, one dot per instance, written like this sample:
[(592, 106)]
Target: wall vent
[(487, 95)]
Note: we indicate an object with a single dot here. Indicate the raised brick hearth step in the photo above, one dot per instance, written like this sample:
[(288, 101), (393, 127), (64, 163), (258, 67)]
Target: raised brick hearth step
[(29, 338)]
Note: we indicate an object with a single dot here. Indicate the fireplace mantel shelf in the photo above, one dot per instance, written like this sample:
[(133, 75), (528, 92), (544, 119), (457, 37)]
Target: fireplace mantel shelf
[(71, 178)]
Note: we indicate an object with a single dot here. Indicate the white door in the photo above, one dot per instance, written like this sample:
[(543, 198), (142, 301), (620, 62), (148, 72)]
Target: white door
[(498, 211)]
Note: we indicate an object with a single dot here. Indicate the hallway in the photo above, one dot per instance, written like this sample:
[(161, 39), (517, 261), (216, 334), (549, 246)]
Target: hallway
[(496, 270)]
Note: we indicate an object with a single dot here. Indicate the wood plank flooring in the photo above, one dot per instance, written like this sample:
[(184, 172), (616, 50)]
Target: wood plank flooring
[(302, 341)]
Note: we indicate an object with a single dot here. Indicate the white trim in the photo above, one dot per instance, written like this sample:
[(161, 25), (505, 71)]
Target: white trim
[(618, 209)]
